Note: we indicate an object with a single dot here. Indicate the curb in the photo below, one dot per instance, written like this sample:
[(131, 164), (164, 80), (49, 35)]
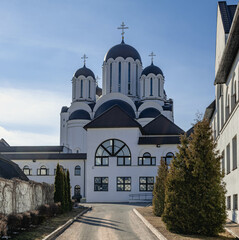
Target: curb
[(231, 232), (150, 226), (63, 227)]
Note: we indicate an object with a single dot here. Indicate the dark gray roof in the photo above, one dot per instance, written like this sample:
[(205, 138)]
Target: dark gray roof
[(122, 50), (107, 105), (48, 156), (115, 117), (138, 104), (64, 109), (158, 140), (98, 91), (9, 169), (227, 13), (210, 110), (80, 114), (31, 148), (149, 113), (85, 72), (190, 131), (162, 126), (230, 51), (152, 69), (92, 104)]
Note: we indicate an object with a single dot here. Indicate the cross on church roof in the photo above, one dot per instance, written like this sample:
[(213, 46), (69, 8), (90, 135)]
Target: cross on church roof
[(97, 79), (152, 55), (84, 57), (122, 27)]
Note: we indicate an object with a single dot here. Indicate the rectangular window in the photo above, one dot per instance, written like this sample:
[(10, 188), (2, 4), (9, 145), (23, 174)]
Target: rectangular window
[(143, 87), (81, 88), (137, 80), (234, 153), (159, 87), (123, 161), (119, 83), (129, 78), (101, 184), (146, 184), (229, 203), (228, 159), (111, 77), (102, 161), (89, 89), (123, 183), (223, 162), (146, 161), (27, 171), (151, 86), (235, 202), (42, 171)]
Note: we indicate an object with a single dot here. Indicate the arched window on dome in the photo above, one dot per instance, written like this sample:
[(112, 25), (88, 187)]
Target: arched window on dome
[(137, 80), (119, 83), (110, 77), (81, 88), (151, 86), (169, 158), (89, 89), (27, 171), (77, 171), (159, 87), (113, 148), (129, 83)]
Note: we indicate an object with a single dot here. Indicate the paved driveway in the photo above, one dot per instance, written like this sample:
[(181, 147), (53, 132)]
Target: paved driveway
[(108, 222)]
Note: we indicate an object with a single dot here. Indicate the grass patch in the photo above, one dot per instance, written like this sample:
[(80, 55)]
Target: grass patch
[(48, 226), (147, 213)]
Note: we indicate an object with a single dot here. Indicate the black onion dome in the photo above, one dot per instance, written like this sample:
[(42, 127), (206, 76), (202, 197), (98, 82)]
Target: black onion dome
[(122, 50), (85, 72), (152, 69), (149, 113), (122, 104), (80, 114)]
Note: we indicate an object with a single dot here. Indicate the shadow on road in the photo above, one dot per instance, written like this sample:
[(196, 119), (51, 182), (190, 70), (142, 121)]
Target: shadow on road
[(99, 222)]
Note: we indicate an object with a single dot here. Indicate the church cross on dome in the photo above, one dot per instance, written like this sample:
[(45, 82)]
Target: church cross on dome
[(84, 57), (152, 55), (97, 79), (122, 27)]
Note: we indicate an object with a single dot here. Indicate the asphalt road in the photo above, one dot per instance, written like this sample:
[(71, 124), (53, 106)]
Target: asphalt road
[(108, 222)]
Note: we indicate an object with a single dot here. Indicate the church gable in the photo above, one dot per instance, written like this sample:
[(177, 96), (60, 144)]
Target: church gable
[(162, 126), (115, 117)]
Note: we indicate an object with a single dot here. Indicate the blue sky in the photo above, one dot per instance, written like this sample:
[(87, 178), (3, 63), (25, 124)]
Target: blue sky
[(41, 44)]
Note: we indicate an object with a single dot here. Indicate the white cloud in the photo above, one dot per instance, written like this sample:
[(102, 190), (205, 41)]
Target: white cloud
[(33, 110)]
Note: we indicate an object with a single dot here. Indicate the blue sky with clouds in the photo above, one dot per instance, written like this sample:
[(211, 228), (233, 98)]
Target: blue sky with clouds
[(41, 44)]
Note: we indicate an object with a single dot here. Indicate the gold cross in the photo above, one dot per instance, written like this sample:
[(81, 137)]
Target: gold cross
[(122, 27)]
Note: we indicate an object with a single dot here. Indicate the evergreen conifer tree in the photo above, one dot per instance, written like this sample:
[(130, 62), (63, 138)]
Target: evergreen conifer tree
[(195, 193), (64, 192), (58, 185), (69, 190), (159, 189)]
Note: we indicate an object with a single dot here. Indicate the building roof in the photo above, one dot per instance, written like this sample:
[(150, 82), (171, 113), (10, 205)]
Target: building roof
[(80, 114), (115, 117), (159, 140), (122, 104), (210, 110), (85, 72), (162, 126), (149, 113), (152, 69), (230, 51), (190, 131), (9, 169), (47, 156), (122, 50), (31, 148), (64, 109)]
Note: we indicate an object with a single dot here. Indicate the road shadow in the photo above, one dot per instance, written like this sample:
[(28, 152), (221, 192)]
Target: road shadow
[(102, 219)]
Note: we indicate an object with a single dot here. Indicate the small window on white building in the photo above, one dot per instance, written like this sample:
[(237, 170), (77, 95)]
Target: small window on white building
[(228, 159), (169, 158), (146, 184), (77, 192), (146, 160), (101, 184), (27, 171), (234, 153), (223, 162), (235, 202), (43, 171), (229, 203), (123, 184), (77, 171)]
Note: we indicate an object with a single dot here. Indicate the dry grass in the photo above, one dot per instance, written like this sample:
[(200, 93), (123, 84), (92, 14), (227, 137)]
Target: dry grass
[(160, 226), (47, 226)]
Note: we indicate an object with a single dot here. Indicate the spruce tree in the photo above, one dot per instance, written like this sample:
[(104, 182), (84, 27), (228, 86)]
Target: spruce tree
[(195, 193), (69, 190), (159, 189), (58, 185), (64, 192)]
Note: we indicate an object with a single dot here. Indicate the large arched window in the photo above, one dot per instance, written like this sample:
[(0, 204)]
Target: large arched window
[(77, 191), (77, 171), (113, 148), (43, 171), (169, 158), (27, 171), (146, 160)]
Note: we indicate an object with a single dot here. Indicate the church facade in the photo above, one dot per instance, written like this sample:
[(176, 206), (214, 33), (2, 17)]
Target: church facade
[(223, 112), (111, 138)]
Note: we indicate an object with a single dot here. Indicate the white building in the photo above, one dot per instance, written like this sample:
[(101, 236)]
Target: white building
[(223, 112), (111, 139)]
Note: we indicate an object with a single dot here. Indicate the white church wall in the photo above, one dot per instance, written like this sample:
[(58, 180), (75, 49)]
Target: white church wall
[(129, 136)]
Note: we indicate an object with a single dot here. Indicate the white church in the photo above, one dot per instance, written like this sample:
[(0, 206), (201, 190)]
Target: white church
[(111, 139)]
